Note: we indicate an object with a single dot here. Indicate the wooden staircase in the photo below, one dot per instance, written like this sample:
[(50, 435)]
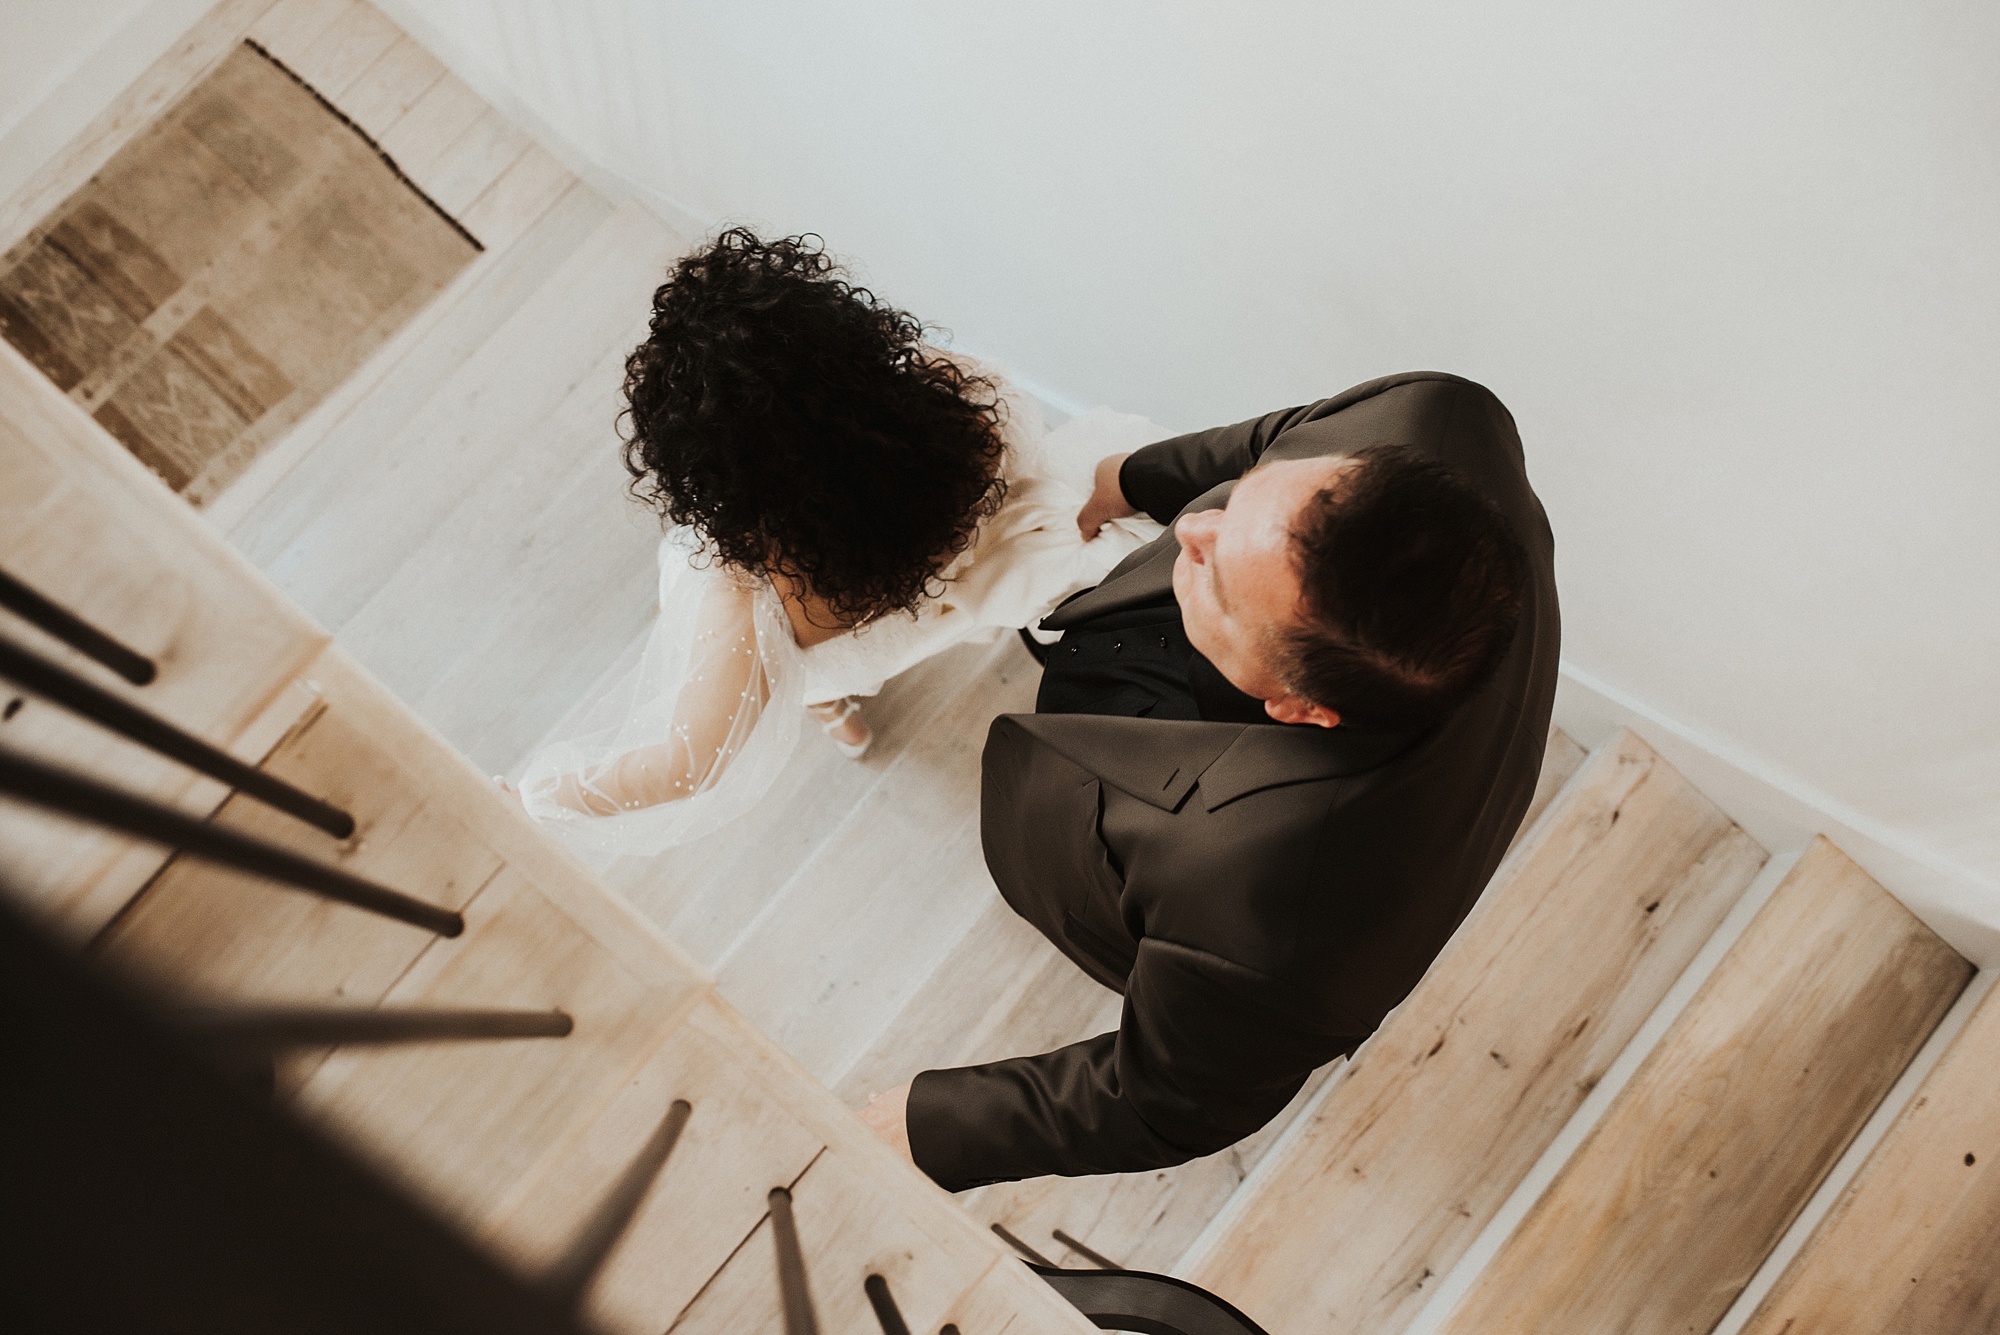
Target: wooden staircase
[(1692, 1174), (1606, 1107)]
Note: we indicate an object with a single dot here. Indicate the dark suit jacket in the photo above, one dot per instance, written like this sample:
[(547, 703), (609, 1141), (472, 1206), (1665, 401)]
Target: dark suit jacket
[(1262, 895)]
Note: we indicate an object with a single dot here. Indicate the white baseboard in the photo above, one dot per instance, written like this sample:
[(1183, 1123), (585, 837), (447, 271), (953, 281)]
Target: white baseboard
[(1783, 814)]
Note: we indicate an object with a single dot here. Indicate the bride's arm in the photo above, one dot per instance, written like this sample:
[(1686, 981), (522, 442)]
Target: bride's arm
[(726, 688)]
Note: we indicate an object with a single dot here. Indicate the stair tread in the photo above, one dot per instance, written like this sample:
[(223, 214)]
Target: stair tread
[(1669, 1206), (1914, 1242), (1454, 1099)]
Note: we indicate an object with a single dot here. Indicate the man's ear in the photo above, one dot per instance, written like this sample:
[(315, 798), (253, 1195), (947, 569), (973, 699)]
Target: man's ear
[(1289, 708)]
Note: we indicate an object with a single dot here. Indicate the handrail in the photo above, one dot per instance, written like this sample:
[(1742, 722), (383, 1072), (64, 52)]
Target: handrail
[(100, 706), (87, 800), (74, 631)]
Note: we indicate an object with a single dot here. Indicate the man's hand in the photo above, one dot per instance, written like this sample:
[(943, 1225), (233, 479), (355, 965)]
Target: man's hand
[(1107, 501), (886, 1116)]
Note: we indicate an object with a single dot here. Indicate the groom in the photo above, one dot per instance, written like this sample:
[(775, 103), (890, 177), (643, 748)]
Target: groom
[(1275, 757)]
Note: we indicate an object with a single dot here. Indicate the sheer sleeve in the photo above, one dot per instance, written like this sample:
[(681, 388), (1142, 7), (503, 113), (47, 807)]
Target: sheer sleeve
[(684, 743)]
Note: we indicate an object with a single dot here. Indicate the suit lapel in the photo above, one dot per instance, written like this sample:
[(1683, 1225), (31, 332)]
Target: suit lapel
[(1155, 760), (1159, 761)]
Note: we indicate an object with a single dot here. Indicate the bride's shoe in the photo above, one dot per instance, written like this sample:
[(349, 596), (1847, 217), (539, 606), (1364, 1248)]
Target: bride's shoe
[(842, 718)]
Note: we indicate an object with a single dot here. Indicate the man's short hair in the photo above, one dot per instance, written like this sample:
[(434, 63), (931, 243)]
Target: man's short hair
[(1412, 585)]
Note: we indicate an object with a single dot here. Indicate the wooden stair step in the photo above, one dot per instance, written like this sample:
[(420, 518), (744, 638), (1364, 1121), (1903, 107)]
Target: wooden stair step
[(1443, 1112), (1913, 1244), (1672, 1202)]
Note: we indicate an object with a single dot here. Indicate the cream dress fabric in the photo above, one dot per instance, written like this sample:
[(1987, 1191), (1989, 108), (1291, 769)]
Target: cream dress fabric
[(695, 735)]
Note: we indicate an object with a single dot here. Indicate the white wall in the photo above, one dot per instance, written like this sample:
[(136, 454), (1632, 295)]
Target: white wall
[(1733, 266)]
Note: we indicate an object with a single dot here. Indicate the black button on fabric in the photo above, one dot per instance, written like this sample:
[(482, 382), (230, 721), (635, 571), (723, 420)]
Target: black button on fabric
[(1116, 645), (1163, 641), (1073, 649)]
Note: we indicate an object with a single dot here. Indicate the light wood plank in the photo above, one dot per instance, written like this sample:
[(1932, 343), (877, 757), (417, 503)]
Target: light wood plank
[(464, 1123), (497, 822), (849, 1228), (350, 46), (1677, 1196), (1455, 1097), (1003, 991), (379, 96), (290, 27), (422, 136), (737, 1144), (475, 160), (878, 905), (1914, 1242), (524, 593), (705, 895), (185, 64), (521, 194)]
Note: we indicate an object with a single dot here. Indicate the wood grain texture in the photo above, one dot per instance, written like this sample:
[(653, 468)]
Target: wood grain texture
[(422, 137), (350, 46), (1913, 1244), (464, 1123), (1449, 1105), (1673, 1201), (475, 160), (291, 26), (705, 895), (739, 1142), (378, 96), (84, 523), (849, 1228)]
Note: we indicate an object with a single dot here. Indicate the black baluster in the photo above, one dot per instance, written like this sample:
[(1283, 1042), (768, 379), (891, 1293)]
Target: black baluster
[(570, 1277), (98, 804), (1098, 1259), (129, 721), (799, 1318), (1022, 1247), (268, 1029), (74, 631), (887, 1314)]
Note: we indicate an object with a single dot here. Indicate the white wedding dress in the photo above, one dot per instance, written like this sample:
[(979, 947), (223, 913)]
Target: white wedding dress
[(695, 735)]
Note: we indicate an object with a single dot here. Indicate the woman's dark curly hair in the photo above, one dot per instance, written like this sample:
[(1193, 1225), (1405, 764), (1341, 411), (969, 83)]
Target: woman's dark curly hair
[(803, 427)]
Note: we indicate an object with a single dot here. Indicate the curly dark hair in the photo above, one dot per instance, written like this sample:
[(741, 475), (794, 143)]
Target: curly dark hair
[(804, 429)]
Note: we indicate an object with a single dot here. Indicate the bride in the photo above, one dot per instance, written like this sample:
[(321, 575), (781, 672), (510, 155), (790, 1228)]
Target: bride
[(842, 501)]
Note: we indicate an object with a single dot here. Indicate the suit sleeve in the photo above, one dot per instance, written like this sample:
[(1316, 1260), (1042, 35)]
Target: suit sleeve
[(1163, 477), (1199, 1061)]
